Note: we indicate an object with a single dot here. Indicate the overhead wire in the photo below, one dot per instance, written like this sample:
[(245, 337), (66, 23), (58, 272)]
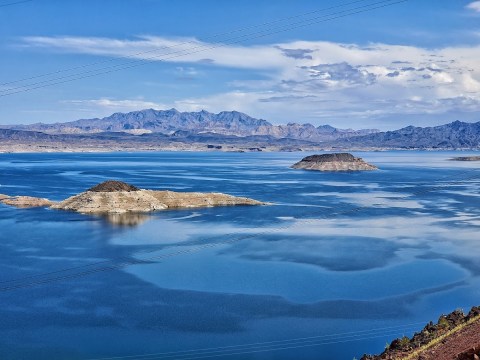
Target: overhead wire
[(197, 49), (324, 338), (210, 37), (15, 3), (176, 54)]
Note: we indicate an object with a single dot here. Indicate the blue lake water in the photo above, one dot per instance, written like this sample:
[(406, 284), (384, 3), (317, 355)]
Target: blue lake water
[(338, 265)]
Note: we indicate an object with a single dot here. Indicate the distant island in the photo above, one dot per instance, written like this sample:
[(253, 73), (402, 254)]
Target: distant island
[(466, 158), (116, 197), (153, 130), (333, 162)]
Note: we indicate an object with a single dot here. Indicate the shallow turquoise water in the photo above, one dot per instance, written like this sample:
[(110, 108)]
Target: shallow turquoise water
[(340, 264)]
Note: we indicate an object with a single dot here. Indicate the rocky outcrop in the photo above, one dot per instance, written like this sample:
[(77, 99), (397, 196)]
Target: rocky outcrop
[(173, 200), (25, 201), (111, 202), (471, 354), (333, 162), (116, 197), (458, 333), (146, 201)]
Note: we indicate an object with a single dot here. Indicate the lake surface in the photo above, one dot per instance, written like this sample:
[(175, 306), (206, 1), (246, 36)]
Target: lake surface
[(337, 266)]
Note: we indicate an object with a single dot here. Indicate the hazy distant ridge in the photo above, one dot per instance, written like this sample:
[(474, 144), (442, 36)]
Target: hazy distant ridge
[(230, 130), (455, 135), (171, 121)]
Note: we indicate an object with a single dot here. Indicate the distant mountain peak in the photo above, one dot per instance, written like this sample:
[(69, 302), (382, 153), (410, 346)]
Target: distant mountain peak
[(454, 135), (170, 121), (163, 126)]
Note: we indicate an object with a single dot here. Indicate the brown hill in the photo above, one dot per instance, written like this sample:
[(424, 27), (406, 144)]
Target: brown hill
[(113, 186)]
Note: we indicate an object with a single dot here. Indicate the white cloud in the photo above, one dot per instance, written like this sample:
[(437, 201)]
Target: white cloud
[(475, 6), (321, 81), (155, 48), (186, 73), (111, 104)]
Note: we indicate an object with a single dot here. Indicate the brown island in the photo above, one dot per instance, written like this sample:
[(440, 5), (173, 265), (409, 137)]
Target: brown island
[(333, 162), (116, 197)]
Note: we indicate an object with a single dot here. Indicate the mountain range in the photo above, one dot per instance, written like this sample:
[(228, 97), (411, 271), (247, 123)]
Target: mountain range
[(229, 131), (170, 121), (456, 135)]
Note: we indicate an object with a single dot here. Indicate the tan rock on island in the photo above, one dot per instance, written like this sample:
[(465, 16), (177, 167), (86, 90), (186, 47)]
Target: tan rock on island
[(116, 197), (25, 201), (333, 162)]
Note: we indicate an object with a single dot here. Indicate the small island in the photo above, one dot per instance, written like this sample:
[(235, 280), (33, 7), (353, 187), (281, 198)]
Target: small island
[(116, 197), (466, 158), (333, 162)]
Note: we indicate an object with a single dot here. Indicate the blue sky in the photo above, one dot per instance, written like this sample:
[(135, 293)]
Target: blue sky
[(414, 62)]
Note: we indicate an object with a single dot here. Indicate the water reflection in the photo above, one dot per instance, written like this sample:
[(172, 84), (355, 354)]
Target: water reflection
[(326, 259), (126, 219)]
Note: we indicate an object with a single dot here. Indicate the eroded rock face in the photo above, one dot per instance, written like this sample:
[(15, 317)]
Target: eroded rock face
[(111, 202), (115, 197), (146, 201), (333, 162), (173, 199), (25, 201), (471, 354)]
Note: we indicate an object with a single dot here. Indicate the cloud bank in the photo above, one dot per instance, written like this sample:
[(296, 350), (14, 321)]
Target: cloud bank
[(320, 80)]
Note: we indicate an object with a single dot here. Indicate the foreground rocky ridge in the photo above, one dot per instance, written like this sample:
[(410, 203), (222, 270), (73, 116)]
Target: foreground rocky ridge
[(455, 336), (333, 162), (115, 197)]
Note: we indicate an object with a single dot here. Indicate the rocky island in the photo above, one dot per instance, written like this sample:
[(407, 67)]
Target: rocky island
[(466, 158), (333, 162), (25, 201), (116, 197)]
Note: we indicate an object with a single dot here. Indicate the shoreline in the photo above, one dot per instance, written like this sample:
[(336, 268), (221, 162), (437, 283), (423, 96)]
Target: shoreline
[(63, 148)]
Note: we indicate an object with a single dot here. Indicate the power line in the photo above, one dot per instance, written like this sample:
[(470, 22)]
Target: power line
[(37, 279), (15, 3), (273, 345), (285, 347), (133, 55), (184, 52), (176, 54), (197, 49)]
